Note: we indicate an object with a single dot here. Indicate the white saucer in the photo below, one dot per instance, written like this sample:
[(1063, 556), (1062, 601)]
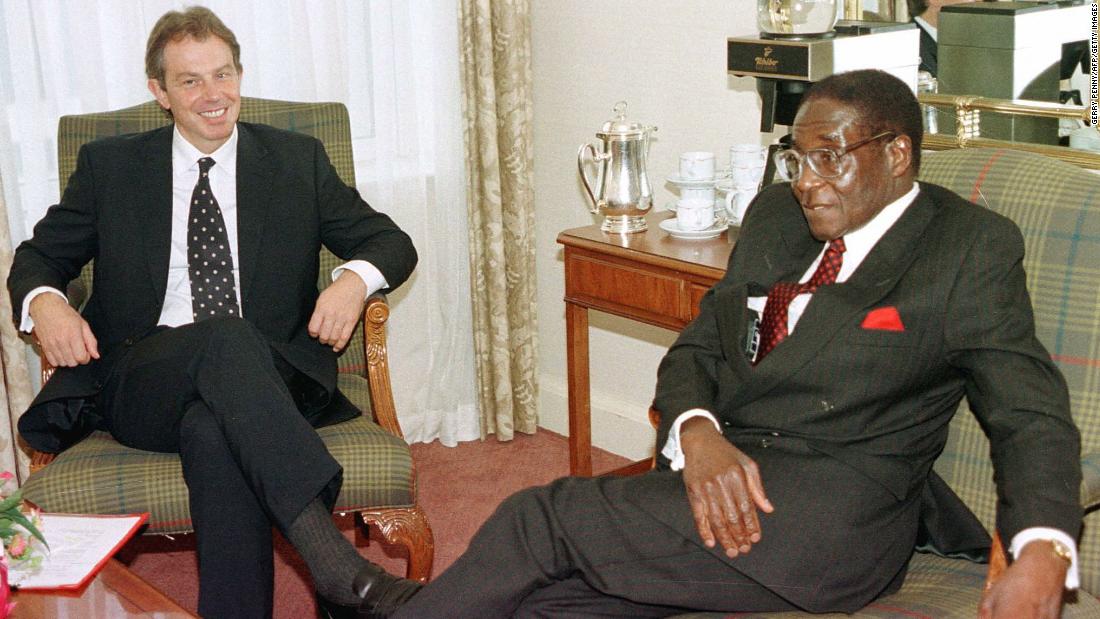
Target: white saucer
[(726, 185), (719, 206), (691, 182), (672, 227)]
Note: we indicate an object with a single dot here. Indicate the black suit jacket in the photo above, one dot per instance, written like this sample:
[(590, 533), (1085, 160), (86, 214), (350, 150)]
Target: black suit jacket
[(929, 52), (845, 421), (117, 210)]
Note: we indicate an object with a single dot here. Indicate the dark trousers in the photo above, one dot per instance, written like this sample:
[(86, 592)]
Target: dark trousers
[(578, 548), (214, 392)]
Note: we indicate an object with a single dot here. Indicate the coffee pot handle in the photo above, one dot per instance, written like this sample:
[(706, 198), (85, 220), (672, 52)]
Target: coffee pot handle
[(648, 132), (596, 157)]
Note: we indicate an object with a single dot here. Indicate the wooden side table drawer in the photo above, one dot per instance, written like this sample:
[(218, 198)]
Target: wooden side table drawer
[(627, 291), (696, 292)]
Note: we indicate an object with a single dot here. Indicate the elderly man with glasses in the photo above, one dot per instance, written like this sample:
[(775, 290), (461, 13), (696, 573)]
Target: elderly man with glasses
[(802, 410)]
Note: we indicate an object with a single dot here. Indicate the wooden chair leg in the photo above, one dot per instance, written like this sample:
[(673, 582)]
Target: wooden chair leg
[(408, 527), (998, 562)]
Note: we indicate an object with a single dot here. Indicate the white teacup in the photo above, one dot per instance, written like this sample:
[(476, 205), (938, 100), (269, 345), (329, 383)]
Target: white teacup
[(694, 215), (737, 202), (748, 155), (746, 176), (697, 165), (701, 195)]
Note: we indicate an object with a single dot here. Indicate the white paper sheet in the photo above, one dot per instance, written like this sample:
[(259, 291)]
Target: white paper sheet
[(79, 546)]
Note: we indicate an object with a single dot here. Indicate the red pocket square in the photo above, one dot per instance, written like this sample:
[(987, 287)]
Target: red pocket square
[(883, 319)]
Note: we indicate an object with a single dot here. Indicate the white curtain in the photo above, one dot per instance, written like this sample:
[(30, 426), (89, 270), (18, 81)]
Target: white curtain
[(394, 63)]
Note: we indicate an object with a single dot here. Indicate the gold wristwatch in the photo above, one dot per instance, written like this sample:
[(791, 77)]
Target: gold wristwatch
[(1061, 551)]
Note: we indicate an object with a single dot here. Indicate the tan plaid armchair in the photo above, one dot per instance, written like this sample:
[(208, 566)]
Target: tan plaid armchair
[(1057, 207), (98, 475)]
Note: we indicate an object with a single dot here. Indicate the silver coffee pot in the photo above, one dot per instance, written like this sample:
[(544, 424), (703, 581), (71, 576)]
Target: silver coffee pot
[(623, 193)]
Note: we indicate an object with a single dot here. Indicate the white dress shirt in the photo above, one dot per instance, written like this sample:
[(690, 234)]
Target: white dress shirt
[(929, 28), (176, 310), (858, 244)]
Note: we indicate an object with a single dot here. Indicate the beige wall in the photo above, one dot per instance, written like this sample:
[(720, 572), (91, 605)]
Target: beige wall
[(667, 59)]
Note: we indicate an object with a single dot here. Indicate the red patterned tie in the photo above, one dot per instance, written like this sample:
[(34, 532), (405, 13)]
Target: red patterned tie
[(773, 328)]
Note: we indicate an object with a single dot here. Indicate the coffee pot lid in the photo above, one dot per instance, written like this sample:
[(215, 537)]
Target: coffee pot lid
[(620, 127)]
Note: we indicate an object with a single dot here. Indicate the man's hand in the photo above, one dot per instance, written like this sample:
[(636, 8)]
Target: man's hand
[(723, 487), (338, 310), (1030, 588), (63, 334)]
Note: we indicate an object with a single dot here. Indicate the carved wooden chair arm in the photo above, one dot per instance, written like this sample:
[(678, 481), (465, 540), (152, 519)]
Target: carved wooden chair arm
[(378, 365), (40, 459)]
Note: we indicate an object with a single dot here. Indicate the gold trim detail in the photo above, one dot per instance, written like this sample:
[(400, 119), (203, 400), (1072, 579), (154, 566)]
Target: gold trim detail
[(968, 110)]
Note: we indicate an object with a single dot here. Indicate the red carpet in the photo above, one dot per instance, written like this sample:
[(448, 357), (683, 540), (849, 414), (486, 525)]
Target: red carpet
[(459, 489)]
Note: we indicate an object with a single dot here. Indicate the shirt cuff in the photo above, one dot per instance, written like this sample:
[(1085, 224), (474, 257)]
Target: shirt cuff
[(26, 325), (1031, 534), (366, 271), (672, 450)]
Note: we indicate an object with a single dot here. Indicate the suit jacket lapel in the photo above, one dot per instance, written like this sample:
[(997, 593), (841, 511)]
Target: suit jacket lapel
[(153, 212), (254, 182), (836, 306)]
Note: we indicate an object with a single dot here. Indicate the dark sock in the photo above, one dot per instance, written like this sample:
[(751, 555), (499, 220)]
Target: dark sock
[(332, 559)]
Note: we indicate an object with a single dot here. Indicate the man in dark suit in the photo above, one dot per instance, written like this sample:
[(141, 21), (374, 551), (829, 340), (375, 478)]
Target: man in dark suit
[(205, 333), (926, 15), (799, 422)]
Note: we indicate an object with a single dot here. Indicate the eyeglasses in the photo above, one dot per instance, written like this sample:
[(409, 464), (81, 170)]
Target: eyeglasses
[(825, 162)]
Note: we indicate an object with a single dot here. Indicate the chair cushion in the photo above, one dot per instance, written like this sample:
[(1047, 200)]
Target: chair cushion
[(935, 588), (100, 476)]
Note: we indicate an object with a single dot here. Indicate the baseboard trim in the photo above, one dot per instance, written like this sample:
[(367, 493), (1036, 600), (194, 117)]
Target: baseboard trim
[(618, 426)]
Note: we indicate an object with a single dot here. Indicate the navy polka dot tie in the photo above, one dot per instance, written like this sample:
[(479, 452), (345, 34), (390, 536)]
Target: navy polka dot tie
[(209, 261), (773, 327)]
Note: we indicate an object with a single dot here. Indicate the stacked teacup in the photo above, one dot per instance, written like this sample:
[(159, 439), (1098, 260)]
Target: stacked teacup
[(695, 208), (746, 171)]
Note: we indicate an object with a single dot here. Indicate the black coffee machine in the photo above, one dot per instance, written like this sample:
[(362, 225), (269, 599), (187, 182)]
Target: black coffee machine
[(785, 67)]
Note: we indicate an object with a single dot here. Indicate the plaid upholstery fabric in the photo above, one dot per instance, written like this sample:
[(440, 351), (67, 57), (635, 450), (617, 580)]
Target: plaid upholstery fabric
[(936, 588), (1090, 480), (1057, 207), (378, 467), (101, 476)]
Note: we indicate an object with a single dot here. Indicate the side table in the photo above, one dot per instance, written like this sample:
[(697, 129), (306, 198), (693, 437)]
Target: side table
[(649, 277)]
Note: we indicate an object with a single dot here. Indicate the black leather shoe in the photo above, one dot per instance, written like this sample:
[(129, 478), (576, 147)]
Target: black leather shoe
[(380, 593), (332, 610)]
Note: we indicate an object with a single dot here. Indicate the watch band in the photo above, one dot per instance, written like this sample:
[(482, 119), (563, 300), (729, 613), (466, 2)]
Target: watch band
[(1061, 551)]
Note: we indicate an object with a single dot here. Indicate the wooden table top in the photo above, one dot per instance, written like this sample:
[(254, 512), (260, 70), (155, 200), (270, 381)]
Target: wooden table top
[(705, 258), (114, 592)]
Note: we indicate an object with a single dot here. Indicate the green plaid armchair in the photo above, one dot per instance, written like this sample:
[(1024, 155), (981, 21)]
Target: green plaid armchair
[(1057, 207), (98, 475)]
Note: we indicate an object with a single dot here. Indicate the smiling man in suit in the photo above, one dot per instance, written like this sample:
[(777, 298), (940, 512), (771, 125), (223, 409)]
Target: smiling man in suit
[(205, 334), (802, 409)]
